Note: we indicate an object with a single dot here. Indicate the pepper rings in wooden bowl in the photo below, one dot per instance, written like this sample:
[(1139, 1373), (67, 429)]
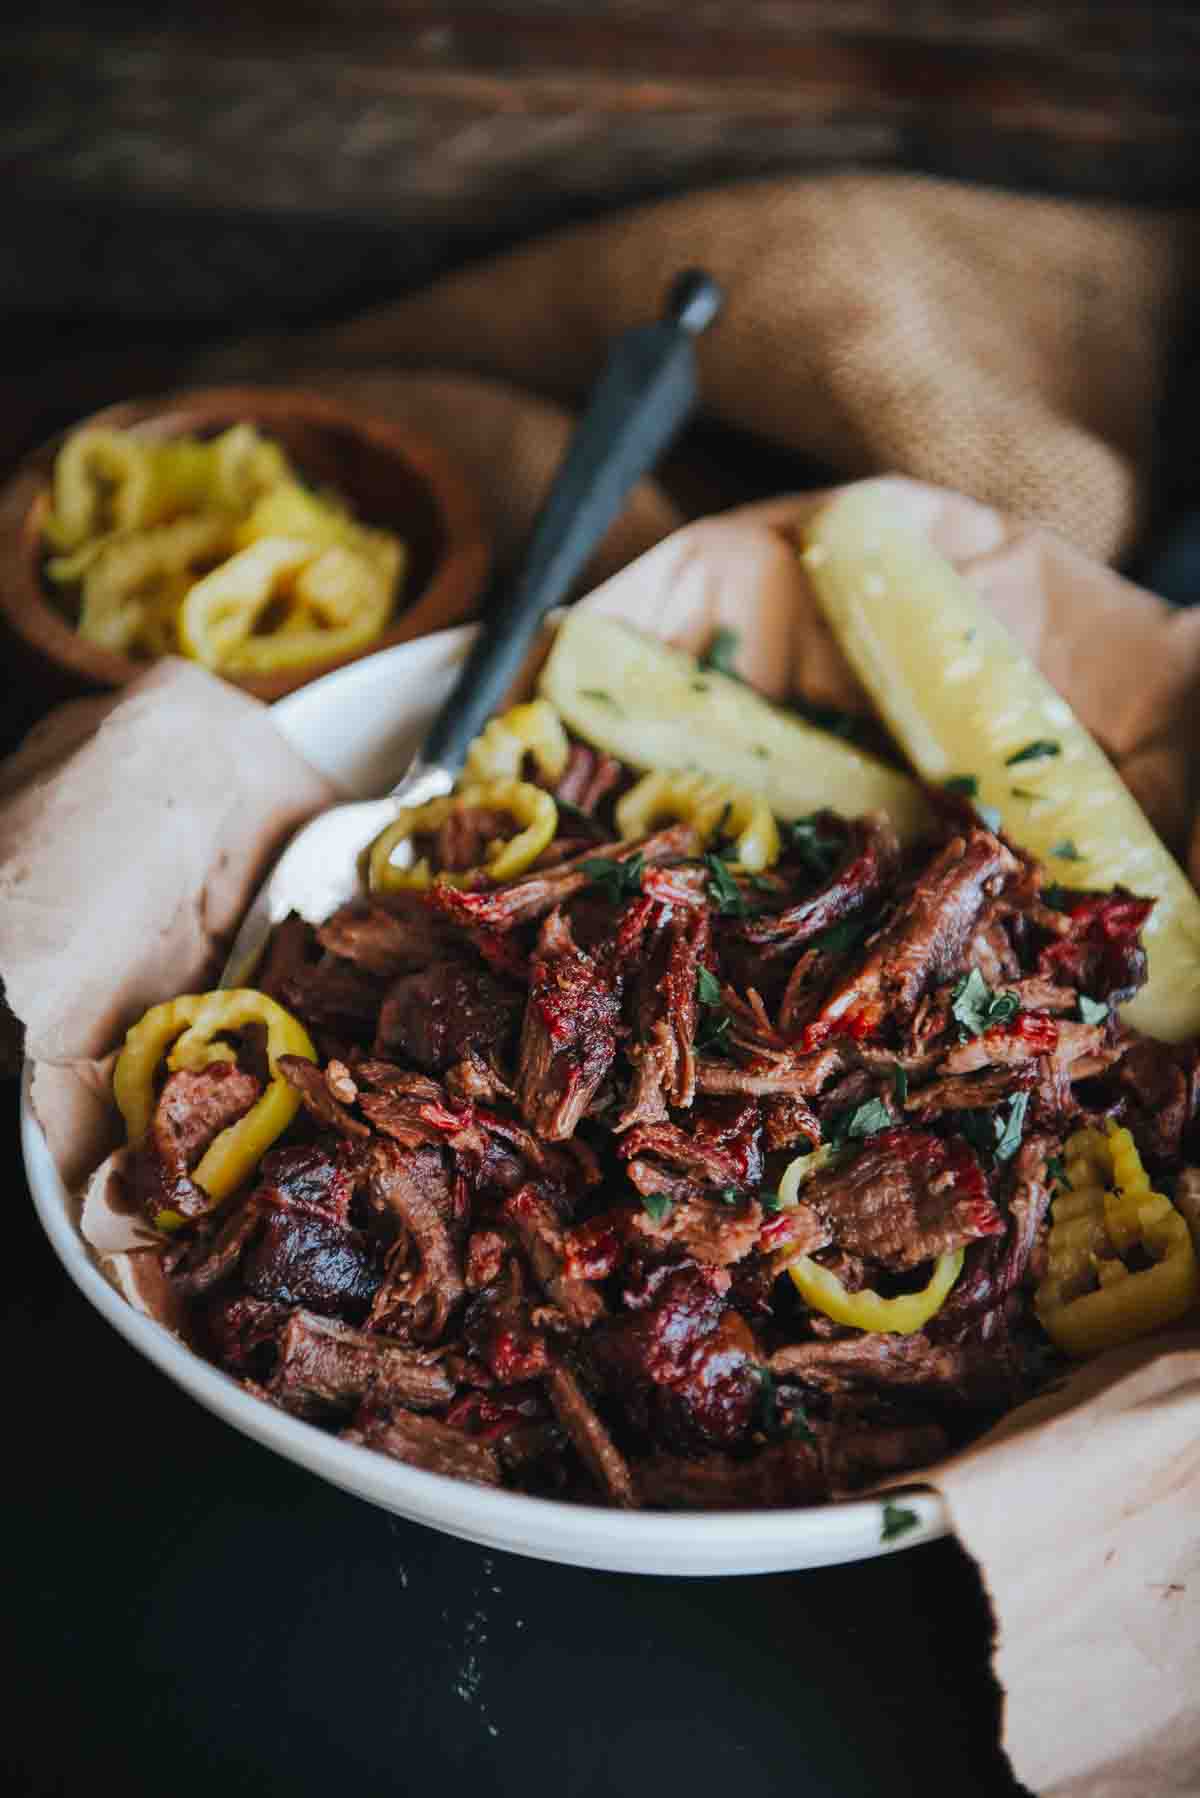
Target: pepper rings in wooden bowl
[(391, 478)]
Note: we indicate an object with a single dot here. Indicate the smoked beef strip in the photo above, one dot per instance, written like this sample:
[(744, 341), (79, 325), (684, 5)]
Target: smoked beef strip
[(525, 1230)]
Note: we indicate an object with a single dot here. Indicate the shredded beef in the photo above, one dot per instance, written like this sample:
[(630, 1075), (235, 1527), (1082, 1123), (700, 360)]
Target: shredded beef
[(588, 778), (1101, 954), (787, 1473), (925, 942), (532, 1216), (593, 1444), (425, 1443), (1160, 1081), (313, 1085), (683, 1360), (970, 1092), (324, 1365), (220, 1257), (722, 1148), (871, 856), (904, 1197), (334, 995), (568, 1040), (302, 1260), (502, 908), (395, 934), (444, 1012), (192, 1110), (523, 1230), (666, 1011), (874, 1361), (800, 1076), (710, 1230), (412, 1189)]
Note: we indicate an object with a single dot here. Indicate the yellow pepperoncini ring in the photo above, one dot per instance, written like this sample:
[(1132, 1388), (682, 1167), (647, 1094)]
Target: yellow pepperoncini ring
[(341, 591), (712, 806), (187, 1031), (506, 857), (1090, 1299), (869, 1310), (499, 750), (102, 483), (126, 579)]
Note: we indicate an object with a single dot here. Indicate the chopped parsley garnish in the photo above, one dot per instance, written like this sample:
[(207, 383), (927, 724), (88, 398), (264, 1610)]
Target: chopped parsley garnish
[(798, 1428), (1056, 1169), (723, 890), (1037, 751), (722, 648), (1010, 1137), (600, 695), (780, 1418), (989, 1134), (869, 1117), (817, 850), (899, 1082), (770, 1200), (708, 987), (1066, 851), (716, 1021), (846, 935), (699, 686), (863, 1120), (616, 880), (897, 1519), (966, 784), (657, 1205), (990, 816), (768, 1401), (729, 1195), (975, 1007), (1056, 897), (1092, 1011)]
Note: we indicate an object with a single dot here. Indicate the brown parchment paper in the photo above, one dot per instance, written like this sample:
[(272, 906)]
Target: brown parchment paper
[(133, 832)]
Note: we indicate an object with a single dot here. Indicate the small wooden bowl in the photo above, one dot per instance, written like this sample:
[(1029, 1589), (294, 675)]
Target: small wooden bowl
[(389, 476)]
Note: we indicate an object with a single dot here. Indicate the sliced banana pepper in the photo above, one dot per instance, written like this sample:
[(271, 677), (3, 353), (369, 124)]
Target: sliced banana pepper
[(506, 857), (117, 481), (499, 750), (188, 1033), (712, 806), (869, 1310), (334, 600), (102, 483), (1090, 1299), (131, 577)]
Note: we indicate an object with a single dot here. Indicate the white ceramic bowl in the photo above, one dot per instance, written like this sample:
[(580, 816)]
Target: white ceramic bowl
[(358, 725)]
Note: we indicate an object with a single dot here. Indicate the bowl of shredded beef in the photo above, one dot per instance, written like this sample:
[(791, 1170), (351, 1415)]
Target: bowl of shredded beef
[(525, 1232)]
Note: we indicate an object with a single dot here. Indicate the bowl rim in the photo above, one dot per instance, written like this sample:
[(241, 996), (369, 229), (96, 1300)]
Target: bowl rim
[(455, 582), (645, 1541)]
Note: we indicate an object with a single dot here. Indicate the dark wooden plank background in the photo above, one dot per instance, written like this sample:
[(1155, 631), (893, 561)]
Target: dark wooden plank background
[(182, 161)]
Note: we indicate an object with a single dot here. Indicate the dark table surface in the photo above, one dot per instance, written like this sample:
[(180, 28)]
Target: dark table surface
[(187, 1613)]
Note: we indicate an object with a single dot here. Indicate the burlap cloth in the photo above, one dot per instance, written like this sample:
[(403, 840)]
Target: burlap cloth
[(1011, 348)]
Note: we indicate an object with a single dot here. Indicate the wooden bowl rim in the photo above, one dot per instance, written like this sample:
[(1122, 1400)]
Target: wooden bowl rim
[(446, 598)]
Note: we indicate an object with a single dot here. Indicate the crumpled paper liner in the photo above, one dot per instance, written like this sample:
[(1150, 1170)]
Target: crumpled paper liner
[(134, 832)]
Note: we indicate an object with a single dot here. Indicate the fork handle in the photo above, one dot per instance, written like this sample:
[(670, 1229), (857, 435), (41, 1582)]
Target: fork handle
[(645, 393)]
